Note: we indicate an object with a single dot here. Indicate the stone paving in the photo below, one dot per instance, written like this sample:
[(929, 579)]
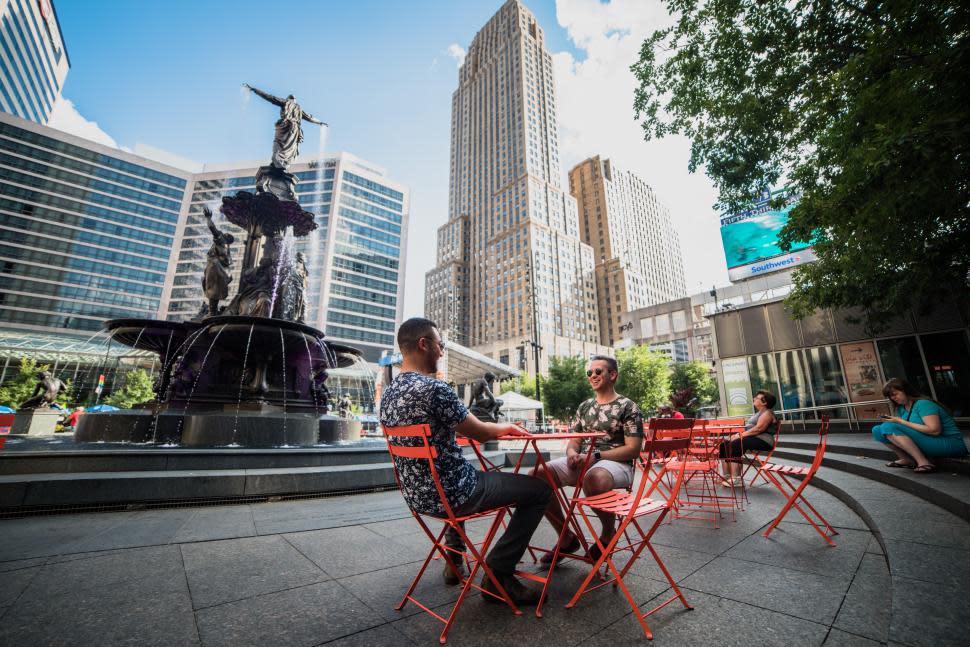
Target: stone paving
[(329, 571)]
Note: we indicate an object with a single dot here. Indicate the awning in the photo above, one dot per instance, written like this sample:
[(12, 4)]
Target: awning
[(512, 401)]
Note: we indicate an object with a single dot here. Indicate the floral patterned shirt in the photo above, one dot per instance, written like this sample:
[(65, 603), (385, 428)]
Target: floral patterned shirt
[(414, 399), (619, 418)]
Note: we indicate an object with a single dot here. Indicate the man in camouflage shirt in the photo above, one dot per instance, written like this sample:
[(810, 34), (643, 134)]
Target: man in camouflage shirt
[(613, 456)]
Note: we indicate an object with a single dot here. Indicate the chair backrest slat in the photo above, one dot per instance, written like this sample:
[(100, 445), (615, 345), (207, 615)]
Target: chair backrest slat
[(421, 451)]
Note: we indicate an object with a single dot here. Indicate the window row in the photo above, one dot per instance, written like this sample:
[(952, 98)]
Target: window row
[(83, 235), (70, 292), (64, 321), (91, 210), (51, 218), (367, 195), (363, 308), (373, 186), (90, 169), (91, 156), (69, 261), (363, 268), (369, 208), (78, 278), (83, 194), (365, 282), (359, 335)]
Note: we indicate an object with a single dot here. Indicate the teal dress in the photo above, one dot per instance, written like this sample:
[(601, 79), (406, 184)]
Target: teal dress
[(948, 443)]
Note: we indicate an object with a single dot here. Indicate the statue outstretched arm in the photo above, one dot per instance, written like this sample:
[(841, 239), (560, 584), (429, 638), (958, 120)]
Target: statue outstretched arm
[(275, 100), (208, 220), (312, 119)]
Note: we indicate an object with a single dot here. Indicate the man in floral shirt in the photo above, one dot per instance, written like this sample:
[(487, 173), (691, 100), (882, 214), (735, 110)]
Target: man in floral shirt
[(415, 397), (612, 462)]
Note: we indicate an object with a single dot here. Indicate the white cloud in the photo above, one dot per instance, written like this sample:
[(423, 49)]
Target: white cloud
[(457, 52), (65, 117), (595, 100)]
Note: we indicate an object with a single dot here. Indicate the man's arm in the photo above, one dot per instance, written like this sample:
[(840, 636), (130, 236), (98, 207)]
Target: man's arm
[(627, 452), (472, 427)]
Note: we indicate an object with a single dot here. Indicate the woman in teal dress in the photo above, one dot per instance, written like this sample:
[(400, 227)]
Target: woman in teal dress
[(920, 428)]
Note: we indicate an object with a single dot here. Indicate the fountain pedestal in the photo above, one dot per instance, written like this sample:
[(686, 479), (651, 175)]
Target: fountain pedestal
[(35, 422)]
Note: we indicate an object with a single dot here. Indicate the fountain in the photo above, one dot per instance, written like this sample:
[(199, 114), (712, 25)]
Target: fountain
[(250, 373)]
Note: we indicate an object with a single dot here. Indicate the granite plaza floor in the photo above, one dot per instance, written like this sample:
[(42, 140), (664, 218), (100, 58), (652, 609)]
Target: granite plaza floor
[(329, 571)]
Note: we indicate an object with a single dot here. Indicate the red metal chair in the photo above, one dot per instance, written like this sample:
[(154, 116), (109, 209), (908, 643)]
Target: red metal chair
[(699, 494), (486, 464), (632, 507), (412, 442), (777, 474), (754, 461)]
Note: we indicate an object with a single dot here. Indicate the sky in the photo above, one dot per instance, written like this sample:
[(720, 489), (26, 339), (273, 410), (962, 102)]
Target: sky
[(167, 75)]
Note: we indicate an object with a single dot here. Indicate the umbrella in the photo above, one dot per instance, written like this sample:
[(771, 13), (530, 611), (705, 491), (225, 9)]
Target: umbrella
[(5, 409), (100, 407)]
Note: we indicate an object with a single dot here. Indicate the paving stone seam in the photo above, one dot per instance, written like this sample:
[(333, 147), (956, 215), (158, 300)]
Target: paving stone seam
[(305, 556), (188, 588), (13, 603), (383, 624)]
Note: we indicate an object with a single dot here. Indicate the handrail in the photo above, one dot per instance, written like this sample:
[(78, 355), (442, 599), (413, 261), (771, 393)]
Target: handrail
[(849, 406)]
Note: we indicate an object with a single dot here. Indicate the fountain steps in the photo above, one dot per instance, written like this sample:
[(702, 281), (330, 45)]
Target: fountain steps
[(220, 474)]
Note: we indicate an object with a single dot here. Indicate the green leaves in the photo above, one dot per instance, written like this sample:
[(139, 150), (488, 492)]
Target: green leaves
[(137, 389), (565, 388), (864, 108), (644, 377)]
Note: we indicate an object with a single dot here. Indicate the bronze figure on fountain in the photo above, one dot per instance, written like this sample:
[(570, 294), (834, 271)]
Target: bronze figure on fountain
[(218, 265)]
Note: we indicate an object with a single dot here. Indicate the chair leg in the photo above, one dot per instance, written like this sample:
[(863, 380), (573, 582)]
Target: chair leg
[(793, 497)]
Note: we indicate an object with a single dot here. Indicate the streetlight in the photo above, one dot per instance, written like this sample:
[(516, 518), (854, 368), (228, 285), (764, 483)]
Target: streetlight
[(535, 335)]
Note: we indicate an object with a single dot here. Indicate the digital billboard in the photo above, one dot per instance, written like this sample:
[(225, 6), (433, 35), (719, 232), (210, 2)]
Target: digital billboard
[(750, 239)]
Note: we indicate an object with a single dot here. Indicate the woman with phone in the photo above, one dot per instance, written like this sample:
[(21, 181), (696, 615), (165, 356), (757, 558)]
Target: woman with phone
[(920, 428)]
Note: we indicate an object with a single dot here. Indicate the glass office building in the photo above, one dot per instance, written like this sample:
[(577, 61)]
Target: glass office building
[(355, 257), (33, 59), (86, 231)]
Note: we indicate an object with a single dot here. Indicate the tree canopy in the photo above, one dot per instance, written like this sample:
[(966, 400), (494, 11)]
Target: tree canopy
[(696, 377), (565, 388), (644, 377), (137, 389), (523, 385), (861, 108)]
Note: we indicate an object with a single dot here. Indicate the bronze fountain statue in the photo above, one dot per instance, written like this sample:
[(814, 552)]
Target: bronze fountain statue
[(45, 392)]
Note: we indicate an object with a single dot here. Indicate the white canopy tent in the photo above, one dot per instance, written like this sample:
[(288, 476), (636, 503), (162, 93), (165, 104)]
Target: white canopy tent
[(516, 406)]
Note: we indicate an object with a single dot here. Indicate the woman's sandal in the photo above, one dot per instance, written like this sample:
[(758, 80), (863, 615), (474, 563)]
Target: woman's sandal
[(900, 464), (924, 469)]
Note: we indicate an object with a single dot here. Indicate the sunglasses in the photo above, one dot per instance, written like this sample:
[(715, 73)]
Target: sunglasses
[(440, 343), (598, 371)]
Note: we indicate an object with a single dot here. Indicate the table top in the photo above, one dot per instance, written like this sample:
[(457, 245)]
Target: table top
[(563, 436)]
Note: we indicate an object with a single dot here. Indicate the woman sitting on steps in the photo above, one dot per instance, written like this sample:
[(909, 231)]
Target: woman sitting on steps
[(919, 429)]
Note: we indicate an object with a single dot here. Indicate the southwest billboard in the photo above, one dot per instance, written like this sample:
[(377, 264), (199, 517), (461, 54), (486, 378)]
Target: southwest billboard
[(750, 239)]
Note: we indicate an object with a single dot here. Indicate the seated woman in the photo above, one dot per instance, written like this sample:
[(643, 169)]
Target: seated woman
[(758, 435), (920, 428)]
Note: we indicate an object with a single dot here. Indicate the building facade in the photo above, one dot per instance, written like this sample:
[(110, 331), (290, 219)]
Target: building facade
[(510, 263), (677, 328), (33, 59), (86, 230), (355, 257), (637, 249)]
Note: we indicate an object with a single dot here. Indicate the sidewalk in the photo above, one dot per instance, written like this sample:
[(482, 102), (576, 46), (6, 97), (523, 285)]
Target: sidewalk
[(329, 571)]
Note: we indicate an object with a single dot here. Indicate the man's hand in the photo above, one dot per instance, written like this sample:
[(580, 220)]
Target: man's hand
[(576, 460), (510, 429)]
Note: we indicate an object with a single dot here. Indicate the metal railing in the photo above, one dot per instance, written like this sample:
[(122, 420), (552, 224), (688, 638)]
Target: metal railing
[(850, 407)]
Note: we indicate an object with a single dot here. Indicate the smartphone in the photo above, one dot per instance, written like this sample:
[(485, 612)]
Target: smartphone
[(884, 416)]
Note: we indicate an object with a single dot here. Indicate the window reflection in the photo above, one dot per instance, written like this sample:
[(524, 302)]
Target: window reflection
[(900, 358), (948, 359), (793, 378), (828, 384)]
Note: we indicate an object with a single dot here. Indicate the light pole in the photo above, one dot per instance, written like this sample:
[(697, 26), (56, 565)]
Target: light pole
[(535, 336)]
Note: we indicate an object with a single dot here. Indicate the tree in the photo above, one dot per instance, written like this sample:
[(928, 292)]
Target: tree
[(523, 385), (644, 377), (137, 389), (566, 387), (694, 377), (861, 108)]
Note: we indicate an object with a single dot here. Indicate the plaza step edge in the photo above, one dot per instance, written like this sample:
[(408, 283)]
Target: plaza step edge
[(156, 486)]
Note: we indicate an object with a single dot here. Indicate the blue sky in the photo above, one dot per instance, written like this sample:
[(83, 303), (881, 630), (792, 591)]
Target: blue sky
[(168, 74)]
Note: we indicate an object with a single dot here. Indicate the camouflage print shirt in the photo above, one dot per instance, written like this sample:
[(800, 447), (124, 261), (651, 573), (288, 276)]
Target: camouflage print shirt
[(619, 418)]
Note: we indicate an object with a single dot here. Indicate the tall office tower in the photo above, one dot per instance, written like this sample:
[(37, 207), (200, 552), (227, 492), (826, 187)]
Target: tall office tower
[(33, 59), (355, 257), (86, 231), (509, 257), (637, 250)]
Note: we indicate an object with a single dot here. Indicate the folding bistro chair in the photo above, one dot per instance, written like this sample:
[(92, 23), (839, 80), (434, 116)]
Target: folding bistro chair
[(755, 462), (633, 507), (777, 475), (412, 442), (483, 461), (699, 494)]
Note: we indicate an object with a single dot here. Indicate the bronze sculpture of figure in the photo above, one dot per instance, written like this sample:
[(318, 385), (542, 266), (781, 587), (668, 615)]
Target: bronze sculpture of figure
[(485, 406), (217, 277), (45, 393), (289, 129)]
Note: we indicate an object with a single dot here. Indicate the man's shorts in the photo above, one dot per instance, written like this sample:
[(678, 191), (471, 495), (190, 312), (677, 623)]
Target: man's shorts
[(622, 473)]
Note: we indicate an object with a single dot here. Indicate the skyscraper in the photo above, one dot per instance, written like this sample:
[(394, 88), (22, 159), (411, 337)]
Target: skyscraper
[(355, 257), (509, 258), (33, 59), (637, 249)]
